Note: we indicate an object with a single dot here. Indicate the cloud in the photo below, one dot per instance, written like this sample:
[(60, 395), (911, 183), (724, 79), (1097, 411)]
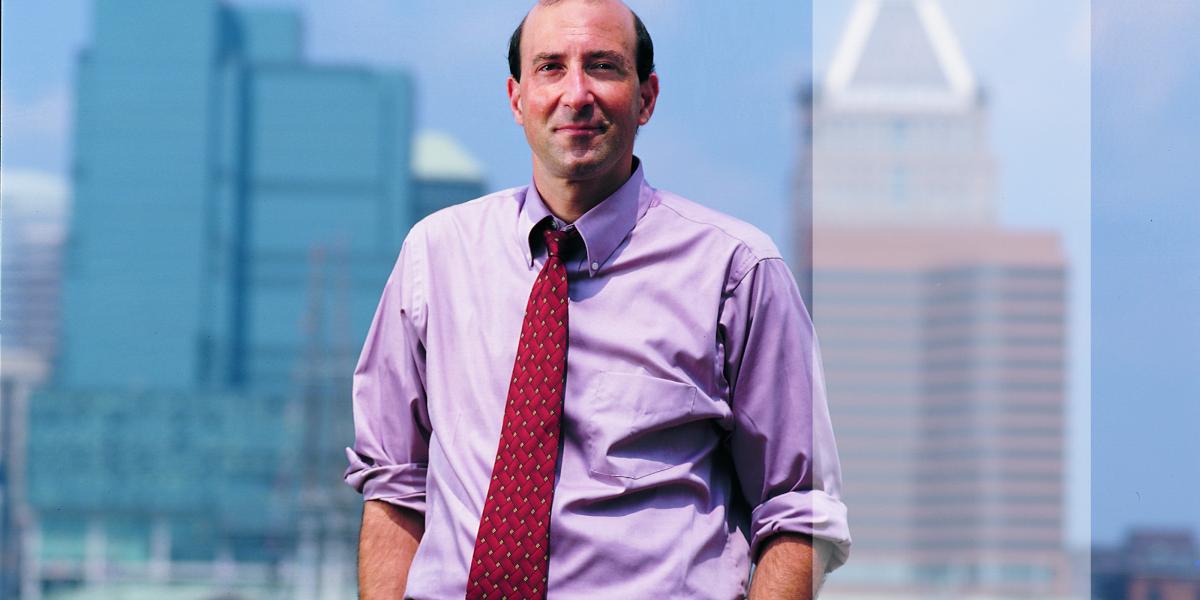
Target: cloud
[(36, 131), (34, 194), (47, 115)]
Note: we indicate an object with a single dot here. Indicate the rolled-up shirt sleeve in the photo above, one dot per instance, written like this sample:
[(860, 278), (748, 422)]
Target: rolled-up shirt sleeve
[(390, 455), (782, 441)]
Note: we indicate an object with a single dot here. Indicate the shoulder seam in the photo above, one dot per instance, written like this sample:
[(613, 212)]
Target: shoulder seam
[(750, 269), (739, 240)]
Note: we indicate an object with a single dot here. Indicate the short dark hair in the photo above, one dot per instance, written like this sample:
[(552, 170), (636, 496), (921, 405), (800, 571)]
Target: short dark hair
[(645, 50)]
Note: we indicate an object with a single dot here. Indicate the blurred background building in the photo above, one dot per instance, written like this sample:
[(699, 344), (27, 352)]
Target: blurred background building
[(33, 222), (445, 172), (942, 332), (236, 211), (36, 206), (1151, 564)]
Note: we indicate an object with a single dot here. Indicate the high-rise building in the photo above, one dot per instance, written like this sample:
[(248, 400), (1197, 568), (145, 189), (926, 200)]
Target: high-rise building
[(944, 362), (20, 371), (237, 211), (33, 212), (445, 173), (942, 332), (211, 162), (1150, 564)]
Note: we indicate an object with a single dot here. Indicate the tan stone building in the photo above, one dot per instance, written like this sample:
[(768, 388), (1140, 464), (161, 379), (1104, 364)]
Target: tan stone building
[(943, 333)]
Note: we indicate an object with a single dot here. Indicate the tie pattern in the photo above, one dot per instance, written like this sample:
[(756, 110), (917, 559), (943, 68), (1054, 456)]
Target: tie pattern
[(512, 546)]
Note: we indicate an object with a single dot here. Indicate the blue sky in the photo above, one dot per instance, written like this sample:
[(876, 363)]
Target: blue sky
[(1146, 282), (725, 134)]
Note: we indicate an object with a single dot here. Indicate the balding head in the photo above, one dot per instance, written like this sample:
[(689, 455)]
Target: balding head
[(642, 44), (582, 95)]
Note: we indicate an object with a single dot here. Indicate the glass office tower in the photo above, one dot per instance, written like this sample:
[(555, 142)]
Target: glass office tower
[(213, 164), (237, 211)]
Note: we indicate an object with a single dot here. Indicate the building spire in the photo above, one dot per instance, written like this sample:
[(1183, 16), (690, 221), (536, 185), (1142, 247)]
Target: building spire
[(899, 52)]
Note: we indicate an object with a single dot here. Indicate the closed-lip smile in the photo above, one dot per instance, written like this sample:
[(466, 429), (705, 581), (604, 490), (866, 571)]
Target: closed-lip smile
[(580, 128)]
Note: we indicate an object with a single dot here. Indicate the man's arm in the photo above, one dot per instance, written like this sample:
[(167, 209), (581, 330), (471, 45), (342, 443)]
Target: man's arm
[(390, 457), (781, 442), (790, 568), (386, 545)]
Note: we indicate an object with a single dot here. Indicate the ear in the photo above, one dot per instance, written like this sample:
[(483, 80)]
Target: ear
[(514, 101), (649, 95)]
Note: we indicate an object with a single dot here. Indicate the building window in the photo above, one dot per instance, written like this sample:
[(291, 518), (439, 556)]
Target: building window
[(900, 185), (899, 132)]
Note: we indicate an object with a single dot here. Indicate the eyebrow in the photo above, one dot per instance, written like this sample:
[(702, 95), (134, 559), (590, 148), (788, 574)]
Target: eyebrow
[(612, 55)]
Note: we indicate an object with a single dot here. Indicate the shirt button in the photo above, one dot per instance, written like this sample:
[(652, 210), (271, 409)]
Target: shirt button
[(595, 266)]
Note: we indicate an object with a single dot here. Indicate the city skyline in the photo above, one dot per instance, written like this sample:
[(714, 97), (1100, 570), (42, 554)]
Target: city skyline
[(236, 209), (37, 108)]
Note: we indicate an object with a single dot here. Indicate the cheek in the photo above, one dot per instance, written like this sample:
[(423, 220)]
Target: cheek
[(538, 108), (631, 104)]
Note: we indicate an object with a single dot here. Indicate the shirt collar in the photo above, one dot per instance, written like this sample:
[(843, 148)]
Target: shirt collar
[(602, 228)]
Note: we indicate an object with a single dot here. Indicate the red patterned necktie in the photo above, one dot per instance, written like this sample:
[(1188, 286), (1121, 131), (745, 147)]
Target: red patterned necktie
[(512, 546)]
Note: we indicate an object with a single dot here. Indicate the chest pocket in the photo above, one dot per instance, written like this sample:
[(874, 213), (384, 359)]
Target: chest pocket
[(636, 425)]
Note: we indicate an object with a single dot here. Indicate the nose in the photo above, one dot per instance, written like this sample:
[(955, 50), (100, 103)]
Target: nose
[(578, 91)]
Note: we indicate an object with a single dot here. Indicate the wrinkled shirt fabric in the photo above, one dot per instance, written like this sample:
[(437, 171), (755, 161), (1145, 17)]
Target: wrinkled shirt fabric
[(695, 423)]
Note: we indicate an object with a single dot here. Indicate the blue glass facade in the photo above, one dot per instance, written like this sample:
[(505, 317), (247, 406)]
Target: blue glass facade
[(238, 210), (211, 167), (324, 203), (216, 470), (142, 179)]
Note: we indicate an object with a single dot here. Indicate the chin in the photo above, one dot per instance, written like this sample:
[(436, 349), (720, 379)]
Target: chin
[(580, 167), (584, 166), (589, 164)]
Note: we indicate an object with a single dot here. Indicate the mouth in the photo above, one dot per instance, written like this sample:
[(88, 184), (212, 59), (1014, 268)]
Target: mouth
[(581, 129)]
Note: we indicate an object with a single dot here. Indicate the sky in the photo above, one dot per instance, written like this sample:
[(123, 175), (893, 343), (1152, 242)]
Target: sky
[(1095, 103), (1146, 260)]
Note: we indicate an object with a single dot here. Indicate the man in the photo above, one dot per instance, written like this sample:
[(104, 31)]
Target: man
[(587, 387)]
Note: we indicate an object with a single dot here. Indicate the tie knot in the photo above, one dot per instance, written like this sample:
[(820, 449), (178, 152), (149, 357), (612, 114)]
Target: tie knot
[(559, 241)]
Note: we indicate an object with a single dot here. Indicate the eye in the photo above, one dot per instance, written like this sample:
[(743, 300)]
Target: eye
[(606, 66), (548, 66)]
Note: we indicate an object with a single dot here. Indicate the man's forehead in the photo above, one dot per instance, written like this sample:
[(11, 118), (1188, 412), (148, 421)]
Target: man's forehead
[(554, 22)]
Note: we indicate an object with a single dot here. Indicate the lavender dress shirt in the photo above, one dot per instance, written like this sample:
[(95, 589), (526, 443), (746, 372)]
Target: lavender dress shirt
[(694, 426)]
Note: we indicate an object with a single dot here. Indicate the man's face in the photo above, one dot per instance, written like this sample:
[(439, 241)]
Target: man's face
[(579, 98)]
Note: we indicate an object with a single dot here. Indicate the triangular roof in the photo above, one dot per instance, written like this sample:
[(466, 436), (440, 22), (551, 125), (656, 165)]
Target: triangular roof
[(899, 54), (438, 155)]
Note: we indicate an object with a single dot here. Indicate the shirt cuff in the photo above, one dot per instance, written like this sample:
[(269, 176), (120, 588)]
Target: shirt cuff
[(400, 485), (813, 513)]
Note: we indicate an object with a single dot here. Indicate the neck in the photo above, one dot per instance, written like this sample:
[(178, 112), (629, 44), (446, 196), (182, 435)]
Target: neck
[(568, 199)]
